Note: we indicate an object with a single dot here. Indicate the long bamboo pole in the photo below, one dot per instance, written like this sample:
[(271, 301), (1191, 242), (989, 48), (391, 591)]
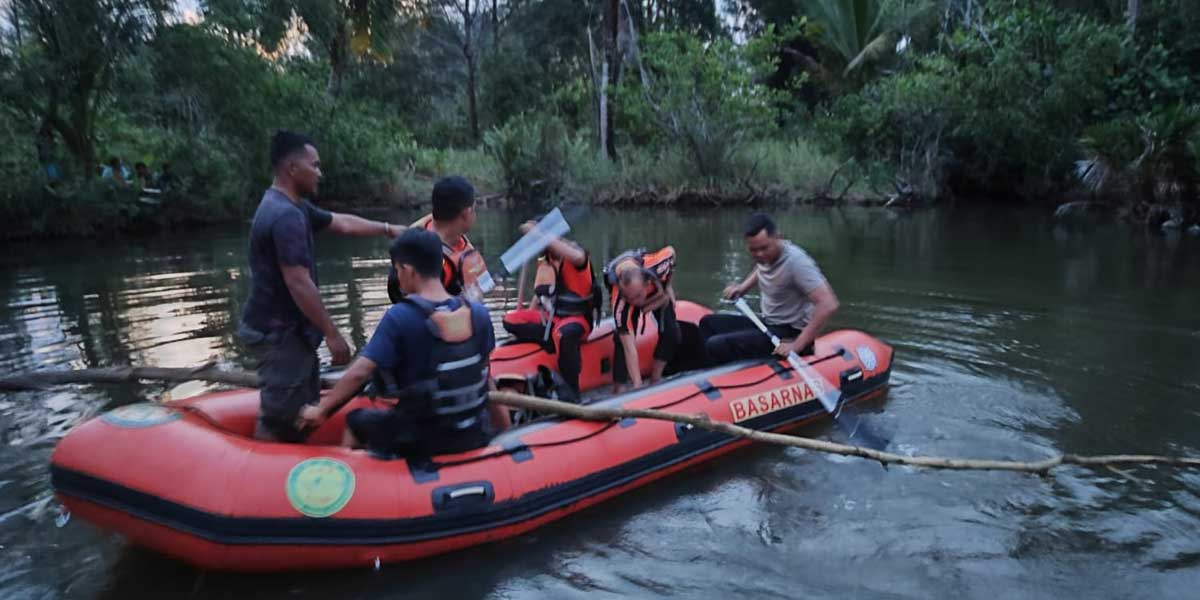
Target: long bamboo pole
[(211, 373)]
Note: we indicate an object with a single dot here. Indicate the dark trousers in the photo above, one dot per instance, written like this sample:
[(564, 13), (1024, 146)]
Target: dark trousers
[(729, 337), (669, 338), (387, 431), (566, 336), (289, 374)]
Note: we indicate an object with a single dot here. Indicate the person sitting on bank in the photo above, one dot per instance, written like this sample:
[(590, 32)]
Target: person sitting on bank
[(284, 319), (116, 172), (142, 177), (453, 216), (797, 300), (565, 307), (430, 352), (641, 285)]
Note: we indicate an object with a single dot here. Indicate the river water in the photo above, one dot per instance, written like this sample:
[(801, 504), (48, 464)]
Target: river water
[(1014, 339)]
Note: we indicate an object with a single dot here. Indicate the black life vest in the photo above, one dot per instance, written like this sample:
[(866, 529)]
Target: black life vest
[(448, 398)]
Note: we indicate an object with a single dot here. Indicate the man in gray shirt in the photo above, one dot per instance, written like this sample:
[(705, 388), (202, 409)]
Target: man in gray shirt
[(796, 300), (284, 319)]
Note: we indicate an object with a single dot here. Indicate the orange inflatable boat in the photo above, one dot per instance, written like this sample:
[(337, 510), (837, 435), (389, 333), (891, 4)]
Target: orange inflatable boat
[(186, 479)]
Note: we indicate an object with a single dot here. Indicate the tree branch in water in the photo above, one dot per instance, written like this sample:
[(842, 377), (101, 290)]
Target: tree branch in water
[(40, 380), (211, 373), (597, 413)]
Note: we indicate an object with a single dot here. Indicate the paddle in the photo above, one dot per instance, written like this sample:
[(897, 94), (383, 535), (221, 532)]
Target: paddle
[(829, 397), (549, 228)]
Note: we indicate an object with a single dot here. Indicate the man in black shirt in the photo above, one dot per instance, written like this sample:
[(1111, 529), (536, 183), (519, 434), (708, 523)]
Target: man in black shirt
[(284, 318)]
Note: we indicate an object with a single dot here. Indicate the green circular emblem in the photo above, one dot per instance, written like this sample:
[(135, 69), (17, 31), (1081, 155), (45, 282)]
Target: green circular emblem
[(142, 414), (319, 487)]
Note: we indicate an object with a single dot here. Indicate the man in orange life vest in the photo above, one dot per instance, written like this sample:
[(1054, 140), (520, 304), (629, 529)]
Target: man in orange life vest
[(564, 309), (463, 269), (641, 285)]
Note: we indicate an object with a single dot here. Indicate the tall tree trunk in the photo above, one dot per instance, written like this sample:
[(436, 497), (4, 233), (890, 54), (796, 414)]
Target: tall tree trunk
[(339, 50), (76, 130), (80, 146), (16, 24), (605, 114), (495, 27), (1131, 14), (471, 102), (468, 52), (612, 61), (598, 71), (333, 87)]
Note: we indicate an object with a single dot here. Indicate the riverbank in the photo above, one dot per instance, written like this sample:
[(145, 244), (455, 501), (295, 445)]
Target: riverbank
[(769, 173)]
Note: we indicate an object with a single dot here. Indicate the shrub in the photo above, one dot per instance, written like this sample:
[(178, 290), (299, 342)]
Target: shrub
[(999, 108), (701, 97), (531, 150)]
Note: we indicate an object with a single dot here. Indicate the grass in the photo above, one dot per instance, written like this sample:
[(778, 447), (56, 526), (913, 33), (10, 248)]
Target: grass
[(414, 182)]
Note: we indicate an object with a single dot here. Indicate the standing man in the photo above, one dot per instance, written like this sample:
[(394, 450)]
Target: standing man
[(453, 216), (284, 319), (797, 300)]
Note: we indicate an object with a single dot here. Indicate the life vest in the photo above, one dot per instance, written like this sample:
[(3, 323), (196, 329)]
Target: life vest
[(572, 291), (659, 264), (464, 271), (448, 398), (658, 267)]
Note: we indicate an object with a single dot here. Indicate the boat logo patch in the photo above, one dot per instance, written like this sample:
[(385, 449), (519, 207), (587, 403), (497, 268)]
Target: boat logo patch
[(757, 405), (142, 414), (320, 487), (867, 357)]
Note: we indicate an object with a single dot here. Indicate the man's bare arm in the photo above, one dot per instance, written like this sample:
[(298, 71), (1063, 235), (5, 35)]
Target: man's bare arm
[(347, 224)]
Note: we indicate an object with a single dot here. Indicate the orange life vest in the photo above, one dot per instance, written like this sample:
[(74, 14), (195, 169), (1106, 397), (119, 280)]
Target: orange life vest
[(574, 290), (657, 267), (463, 268)]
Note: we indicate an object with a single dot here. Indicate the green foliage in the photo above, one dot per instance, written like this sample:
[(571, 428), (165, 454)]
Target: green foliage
[(703, 98), (1151, 158), (532, 152), (863, 31), (65, 71), (797, 165), (513, 82), (340, 29), (1111, 148), (1002, 106), (991, 97)]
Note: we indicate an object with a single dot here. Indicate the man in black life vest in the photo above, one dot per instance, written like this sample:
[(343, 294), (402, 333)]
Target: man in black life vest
[(564, 309), (430, 352)]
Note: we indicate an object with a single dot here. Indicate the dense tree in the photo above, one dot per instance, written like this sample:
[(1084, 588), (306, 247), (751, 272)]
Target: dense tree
[(70, 52), (341, 29), (1010, 98)]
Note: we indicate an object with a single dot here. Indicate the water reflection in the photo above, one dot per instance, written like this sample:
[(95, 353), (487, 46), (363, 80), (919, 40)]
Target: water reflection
[(1014, 339)]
